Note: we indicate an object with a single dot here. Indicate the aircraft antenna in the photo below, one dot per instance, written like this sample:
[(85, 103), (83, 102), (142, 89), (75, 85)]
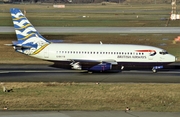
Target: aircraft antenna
[(173, 11)]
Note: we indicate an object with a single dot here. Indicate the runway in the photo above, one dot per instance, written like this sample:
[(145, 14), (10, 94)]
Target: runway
[(44, 73), (86, 114), (122, 30)]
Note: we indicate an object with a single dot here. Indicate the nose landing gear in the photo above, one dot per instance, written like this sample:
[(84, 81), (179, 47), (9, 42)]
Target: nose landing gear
[(155, 68)]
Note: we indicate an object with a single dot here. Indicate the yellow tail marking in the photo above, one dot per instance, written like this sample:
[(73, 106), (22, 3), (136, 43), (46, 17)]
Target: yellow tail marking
[(40, 49), (23, 27), (26, 36), (18, 18)]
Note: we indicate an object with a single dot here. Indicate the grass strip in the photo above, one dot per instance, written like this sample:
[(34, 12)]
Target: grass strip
[(91, 96), (92, 15)]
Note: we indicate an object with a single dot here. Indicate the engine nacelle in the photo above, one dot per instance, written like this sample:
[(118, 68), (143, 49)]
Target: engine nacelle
[(157, 67), (101, 67)]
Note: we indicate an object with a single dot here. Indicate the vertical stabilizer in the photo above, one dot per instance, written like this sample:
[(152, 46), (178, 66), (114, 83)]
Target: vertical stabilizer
[(29, 40)]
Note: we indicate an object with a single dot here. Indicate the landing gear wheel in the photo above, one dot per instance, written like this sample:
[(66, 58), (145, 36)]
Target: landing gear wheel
[(122, 67), (90, 72), (154, 70)]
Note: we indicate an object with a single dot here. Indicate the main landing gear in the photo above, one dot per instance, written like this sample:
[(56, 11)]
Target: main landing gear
[(76, 65)]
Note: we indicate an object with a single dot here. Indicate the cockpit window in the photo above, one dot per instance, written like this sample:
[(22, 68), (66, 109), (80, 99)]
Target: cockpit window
[(163, 52)]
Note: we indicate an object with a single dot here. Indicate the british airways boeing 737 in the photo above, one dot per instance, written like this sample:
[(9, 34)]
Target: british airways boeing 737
[(90, 57)]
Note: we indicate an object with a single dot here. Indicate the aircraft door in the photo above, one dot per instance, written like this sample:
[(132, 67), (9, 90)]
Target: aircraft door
[(150, 57), (46, 53), (152, 53)]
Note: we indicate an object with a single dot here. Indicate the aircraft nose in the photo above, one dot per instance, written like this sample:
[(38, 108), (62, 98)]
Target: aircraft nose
[(173, 58), (176, 58)]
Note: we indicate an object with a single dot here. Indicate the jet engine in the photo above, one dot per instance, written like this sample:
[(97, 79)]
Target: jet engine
[(101, 67)]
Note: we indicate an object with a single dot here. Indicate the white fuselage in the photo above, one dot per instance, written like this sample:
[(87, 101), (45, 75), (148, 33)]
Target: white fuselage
[(106, 52)]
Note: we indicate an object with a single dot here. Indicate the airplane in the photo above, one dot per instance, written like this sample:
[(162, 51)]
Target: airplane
[(91, 57)]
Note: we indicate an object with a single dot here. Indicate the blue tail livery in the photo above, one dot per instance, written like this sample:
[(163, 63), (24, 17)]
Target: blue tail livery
[(29, 40)]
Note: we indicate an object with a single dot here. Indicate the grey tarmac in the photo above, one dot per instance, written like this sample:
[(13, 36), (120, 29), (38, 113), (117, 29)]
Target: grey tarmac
[(86, 114), (121, 30), (45, 73)]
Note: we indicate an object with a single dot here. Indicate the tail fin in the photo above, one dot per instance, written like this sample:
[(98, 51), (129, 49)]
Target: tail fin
[(29, 39)]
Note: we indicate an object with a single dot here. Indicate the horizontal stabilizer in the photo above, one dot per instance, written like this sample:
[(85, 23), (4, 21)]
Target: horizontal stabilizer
[(15, 43), (57, 41), (23, 46)]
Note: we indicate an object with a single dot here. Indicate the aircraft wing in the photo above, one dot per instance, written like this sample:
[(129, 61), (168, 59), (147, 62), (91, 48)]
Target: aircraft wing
[(94, 65), (112, 61)]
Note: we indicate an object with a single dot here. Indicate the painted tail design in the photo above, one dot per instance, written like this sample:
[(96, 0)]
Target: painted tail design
[(29, 40)]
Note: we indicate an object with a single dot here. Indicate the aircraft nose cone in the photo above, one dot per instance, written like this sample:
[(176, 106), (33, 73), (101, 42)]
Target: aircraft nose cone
[(173, 58)]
